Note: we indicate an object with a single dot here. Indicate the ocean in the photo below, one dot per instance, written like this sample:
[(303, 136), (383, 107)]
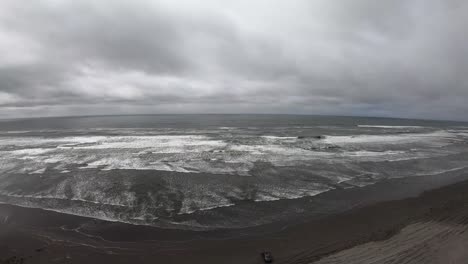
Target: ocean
[(213, 171)]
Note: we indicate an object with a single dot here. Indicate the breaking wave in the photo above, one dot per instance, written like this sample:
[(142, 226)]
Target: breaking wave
[(150, 177), (388, 127)]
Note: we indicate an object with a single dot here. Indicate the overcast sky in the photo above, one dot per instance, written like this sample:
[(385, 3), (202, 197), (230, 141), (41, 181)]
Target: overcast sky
[(362, 57)]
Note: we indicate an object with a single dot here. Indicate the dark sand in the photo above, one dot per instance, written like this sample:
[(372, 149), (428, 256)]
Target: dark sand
[(411, 220)]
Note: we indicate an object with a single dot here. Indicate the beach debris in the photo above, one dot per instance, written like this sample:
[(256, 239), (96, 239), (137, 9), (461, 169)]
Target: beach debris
[(267, 256), (40, 249)]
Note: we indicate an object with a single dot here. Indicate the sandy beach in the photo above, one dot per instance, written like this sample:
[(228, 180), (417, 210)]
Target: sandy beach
[(408, 220)]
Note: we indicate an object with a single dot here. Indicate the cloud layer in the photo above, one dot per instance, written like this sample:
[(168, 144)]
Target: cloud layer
[(404, 58)]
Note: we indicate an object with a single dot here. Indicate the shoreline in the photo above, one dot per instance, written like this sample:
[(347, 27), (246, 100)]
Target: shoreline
[(372, 213), (323, 204)]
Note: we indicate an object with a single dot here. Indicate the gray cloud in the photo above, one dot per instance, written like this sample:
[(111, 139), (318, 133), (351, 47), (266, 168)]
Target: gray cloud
[(394, 58)]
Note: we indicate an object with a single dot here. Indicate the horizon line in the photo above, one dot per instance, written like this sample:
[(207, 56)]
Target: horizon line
[(264, 114)]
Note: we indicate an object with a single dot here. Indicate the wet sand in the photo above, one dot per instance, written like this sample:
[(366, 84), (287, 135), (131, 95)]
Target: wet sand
[(408, 220)]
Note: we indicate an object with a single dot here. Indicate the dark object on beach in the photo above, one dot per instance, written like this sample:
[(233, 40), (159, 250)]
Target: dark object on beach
[(267, 257), (315, 137)]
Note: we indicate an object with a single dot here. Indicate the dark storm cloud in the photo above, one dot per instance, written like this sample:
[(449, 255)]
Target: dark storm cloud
[(365, 57)]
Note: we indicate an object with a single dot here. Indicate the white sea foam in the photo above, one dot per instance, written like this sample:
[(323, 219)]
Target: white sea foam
[(194, 153), (62, 197), (39, 171), (206, 208), (199, 202), (460, 133), (159, 144), (145, 217), (132, 163), (34, 196), (289, 194), (84, 213), (278, 138), (437, 172), (388, 127), (31, 151), (38, 141), (16, 132), (263, 197), (412, 137), (274, 149), (366, 153)]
